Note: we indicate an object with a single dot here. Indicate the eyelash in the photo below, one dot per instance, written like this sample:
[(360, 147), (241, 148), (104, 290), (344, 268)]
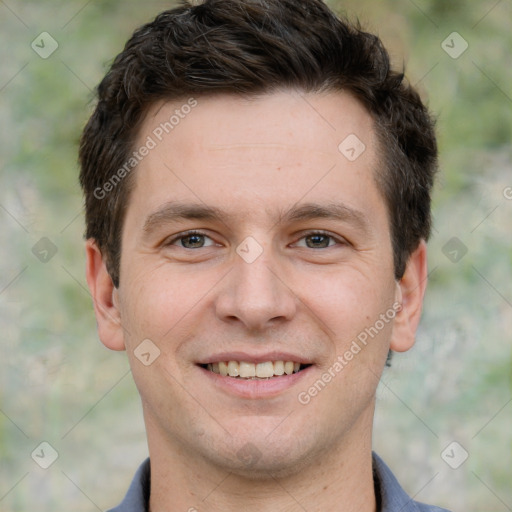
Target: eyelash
[(339, 241), (186, 234)]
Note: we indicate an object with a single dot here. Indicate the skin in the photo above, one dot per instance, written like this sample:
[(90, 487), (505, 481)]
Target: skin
[(255, 160)]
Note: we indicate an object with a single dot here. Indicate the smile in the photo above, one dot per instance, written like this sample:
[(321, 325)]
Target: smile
[(246, 370)]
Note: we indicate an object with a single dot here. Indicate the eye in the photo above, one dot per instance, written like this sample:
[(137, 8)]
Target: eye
[(317, 240), (192, 240)]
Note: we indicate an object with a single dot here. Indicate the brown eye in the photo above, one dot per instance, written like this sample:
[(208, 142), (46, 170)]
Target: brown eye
[(318, 241), (193, 241)]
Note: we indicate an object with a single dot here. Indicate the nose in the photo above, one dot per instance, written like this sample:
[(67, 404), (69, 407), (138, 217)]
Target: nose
[(256, 295)]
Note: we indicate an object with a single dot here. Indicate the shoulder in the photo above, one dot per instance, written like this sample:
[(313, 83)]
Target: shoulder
[(137, 497), (422, 507), (390, 494)]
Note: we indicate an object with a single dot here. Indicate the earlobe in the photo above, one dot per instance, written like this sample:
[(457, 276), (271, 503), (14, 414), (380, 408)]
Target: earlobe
[(410, 292), (105, 298)]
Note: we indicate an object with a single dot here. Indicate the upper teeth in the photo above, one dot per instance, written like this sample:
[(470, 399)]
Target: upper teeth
[(248, 370)]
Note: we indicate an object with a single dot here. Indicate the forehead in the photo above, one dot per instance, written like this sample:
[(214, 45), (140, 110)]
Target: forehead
[(313, 122), (257, 153)]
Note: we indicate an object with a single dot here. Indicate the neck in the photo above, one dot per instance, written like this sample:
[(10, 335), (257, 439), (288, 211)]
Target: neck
[(341, 480)]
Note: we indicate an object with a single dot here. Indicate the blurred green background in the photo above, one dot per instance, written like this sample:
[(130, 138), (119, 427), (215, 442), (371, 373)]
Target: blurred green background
[(60, 385)]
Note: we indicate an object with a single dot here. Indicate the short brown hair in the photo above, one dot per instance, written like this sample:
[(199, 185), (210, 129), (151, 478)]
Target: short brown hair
[(251, 47)]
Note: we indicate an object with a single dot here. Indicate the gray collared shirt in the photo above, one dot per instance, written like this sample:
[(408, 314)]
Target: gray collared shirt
[(390, 495)]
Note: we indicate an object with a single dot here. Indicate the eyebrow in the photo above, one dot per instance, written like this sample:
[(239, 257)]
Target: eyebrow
[(336, 211), (175, 211), (171, 212)]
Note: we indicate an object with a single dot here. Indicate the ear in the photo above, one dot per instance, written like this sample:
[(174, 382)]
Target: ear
[(410, 292), (105, 298)]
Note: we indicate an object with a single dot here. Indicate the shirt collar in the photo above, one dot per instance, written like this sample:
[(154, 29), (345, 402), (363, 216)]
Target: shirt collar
[(388, 492)]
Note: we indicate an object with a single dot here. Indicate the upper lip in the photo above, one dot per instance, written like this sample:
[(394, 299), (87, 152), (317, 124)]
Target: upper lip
[(254, 358)]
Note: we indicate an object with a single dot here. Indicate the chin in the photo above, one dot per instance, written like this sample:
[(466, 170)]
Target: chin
[(261, 460), (266, 467)]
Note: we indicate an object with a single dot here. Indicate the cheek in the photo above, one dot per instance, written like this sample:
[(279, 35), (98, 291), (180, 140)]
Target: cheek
[(159, 304), (348, 302)]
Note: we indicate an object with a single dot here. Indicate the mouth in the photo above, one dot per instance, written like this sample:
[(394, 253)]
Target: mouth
[(255, 376), (254, 371)]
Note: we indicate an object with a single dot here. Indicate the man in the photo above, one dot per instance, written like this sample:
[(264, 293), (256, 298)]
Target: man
[(257, 184)]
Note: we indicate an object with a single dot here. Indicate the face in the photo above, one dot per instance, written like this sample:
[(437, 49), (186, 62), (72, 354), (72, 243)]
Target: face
[(252, 245)]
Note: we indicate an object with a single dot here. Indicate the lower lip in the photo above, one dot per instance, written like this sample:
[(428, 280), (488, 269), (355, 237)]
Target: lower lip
[(256, 388)]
